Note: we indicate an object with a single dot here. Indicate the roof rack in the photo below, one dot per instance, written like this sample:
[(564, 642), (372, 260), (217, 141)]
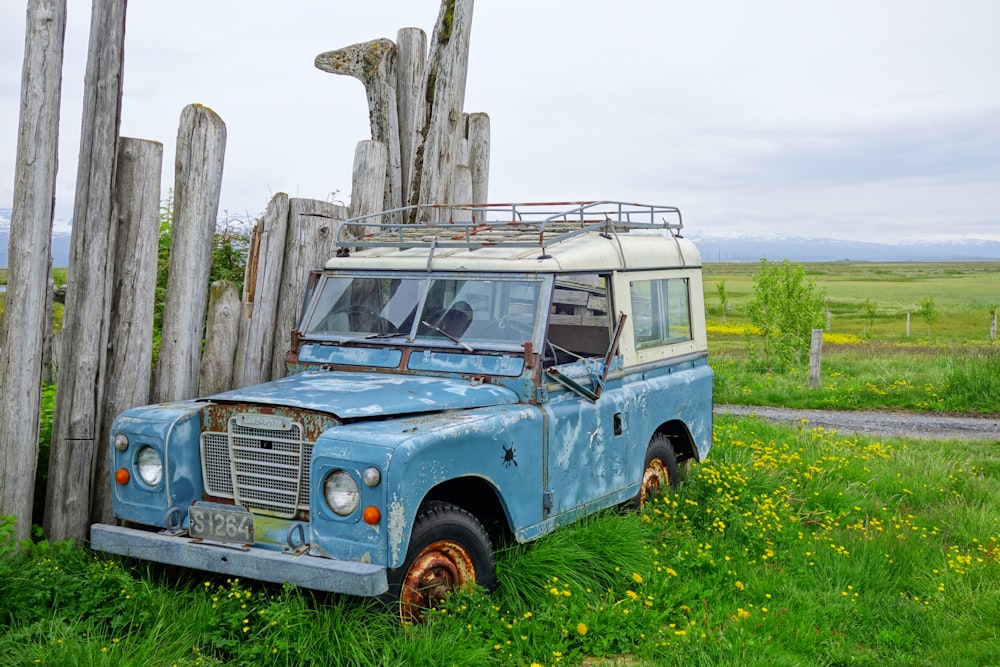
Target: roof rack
[(472, 226)]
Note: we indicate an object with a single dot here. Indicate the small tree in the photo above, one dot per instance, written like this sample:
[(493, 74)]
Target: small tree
[(723, 298), (785, 307), (868, 307), (928, 311)]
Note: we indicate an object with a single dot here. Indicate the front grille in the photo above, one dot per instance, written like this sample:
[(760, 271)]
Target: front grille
[(261, 462)]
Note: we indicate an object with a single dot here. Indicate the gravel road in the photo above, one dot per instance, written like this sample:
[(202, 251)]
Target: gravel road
[(894, 424)]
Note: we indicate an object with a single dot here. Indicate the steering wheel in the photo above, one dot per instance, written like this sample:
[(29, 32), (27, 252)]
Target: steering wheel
[(368, 318)]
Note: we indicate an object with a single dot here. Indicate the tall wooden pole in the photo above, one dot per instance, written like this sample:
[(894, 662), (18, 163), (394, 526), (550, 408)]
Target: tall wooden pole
[(201, 147), (411, 58), (24, 322), (136, 218), (85, 334)]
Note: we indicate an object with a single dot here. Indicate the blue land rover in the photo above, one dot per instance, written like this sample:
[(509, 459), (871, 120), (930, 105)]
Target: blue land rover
[(487, 373)]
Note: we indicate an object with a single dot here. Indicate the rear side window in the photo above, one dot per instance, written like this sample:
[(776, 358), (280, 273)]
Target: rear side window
[(661, 312)]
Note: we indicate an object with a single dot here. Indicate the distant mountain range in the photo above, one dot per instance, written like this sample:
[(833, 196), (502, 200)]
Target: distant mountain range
[(719, 248)]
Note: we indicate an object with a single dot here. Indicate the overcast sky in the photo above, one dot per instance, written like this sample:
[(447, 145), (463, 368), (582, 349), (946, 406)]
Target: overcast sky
[(864, 120)]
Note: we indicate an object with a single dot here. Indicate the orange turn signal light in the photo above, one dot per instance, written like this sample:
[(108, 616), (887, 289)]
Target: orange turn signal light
[(122, 476), (371, 515)]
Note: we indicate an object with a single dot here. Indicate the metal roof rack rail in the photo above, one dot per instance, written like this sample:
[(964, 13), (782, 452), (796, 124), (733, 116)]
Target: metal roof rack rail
[(528, 225)]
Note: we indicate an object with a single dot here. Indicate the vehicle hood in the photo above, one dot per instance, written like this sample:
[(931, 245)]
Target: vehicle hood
[(359, 395)]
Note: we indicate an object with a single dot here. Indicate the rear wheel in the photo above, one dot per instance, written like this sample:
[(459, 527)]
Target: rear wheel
[(659, 471), (449, 550)]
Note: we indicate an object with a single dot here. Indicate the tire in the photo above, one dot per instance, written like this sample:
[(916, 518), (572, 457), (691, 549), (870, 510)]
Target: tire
[(659, 471), (449, 550)]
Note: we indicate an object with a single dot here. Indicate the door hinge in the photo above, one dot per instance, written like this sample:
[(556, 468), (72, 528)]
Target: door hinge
[(547, 501)]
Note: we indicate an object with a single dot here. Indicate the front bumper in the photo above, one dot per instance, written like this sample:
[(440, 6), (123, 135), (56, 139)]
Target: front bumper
[(306, 571)]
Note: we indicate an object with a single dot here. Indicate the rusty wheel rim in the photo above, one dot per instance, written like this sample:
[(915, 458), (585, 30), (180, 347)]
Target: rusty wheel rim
[(440, 568), (655, 478)]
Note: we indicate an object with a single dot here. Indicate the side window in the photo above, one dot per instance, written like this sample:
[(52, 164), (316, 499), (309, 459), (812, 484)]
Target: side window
[(660, 312), (580, 321)]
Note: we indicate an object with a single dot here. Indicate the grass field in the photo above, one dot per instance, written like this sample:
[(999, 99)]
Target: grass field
[(789, 546)]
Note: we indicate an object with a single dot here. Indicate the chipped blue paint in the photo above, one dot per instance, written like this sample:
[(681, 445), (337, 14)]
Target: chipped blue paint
[(469, 364), (355, 395), (385, 357)]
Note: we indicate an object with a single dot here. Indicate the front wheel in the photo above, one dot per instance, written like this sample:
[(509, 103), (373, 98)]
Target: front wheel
[(449, 550), (659, 471)]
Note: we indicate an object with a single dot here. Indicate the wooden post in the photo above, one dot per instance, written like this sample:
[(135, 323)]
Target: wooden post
[(462, 184), (312, 225), (253, 360), (907, 324), (815, 357), (374, 64), (136, 216), (411, 58), (478, 133), (23, 325), (366, 184), (201, 145), (993, 325), (221, 336), (85, 332)]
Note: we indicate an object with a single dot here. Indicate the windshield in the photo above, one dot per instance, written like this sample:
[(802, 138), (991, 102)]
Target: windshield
[(447, 309)]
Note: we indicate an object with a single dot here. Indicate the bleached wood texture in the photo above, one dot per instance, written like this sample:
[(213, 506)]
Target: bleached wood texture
[(201, 145), (253, 359), (312, 225), (136, 219), (85, 332), (221, 333), (478, 134), (366, 186), (461, 184), (411, 58), (23, 325), (374, 64), (444, 95)]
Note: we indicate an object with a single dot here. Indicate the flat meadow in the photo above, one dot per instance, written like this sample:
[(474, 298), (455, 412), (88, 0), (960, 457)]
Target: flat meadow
[(790, 545)]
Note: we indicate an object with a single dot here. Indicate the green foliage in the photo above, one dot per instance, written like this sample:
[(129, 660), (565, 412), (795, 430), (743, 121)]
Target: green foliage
[(784, 309), (928, 312), (723, 298), (869, 309)]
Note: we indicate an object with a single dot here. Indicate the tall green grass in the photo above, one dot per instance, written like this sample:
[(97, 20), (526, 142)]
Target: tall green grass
[(788, 546)]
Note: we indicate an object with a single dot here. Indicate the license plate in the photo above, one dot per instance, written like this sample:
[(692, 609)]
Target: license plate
[(220, 523)]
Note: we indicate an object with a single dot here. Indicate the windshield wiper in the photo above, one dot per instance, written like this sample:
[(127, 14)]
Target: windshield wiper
[(447, 335), (371, 336)]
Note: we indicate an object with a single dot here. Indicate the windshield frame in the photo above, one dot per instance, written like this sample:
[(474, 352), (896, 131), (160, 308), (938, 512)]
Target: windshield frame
[(427, 334)]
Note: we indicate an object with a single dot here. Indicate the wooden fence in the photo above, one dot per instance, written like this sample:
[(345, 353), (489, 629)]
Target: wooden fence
[(423, 150)]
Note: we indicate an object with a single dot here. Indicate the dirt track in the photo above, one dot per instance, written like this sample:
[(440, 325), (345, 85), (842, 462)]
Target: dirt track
[(894, 424)]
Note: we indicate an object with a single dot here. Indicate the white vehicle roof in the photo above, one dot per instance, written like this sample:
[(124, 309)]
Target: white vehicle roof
[(573, 236)]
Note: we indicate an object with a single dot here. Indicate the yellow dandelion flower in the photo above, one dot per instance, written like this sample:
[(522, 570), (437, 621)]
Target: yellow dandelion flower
[(742, 613), (581, 628), (636, 577), (739, 585)]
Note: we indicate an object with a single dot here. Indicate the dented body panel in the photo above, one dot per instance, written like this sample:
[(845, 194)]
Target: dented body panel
[(526, 395)]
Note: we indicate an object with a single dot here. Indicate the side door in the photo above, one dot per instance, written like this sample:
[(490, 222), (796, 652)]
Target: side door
[(587, 442)]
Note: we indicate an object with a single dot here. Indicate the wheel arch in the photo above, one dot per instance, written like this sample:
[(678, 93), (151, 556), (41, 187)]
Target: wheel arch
[(478, 497), (681, 439)]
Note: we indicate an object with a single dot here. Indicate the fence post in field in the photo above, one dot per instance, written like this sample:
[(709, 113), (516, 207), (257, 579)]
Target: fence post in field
[(76, 424), (478, 132), (222, 332), (374, 64), (907, 324), (815, 357), (28, 270), (312, 226), (260, 295), (444, 95), (993, 325), (411, 57), (201, 145), (136, 218)]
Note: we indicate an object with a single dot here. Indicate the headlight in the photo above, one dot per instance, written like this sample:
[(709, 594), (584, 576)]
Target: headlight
[(150, 466), (341, 492)]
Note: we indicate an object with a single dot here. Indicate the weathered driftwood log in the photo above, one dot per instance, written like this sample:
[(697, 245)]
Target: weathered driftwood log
[(411, 58), (444, 95), (201, 145), (260, 303), (366, 186), (478, 133), (461, 184), (221, 334), (28, 268), (136, 222), (85, 331), (374, 64), (312, 225)]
